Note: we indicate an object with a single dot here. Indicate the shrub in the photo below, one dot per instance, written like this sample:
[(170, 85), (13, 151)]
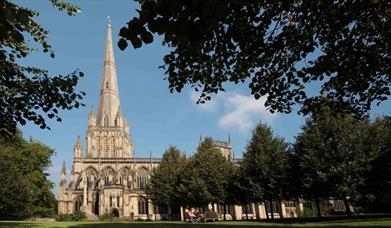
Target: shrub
[(309, 212), (77, 216), (328, 211), (107, 217), (63, 217)]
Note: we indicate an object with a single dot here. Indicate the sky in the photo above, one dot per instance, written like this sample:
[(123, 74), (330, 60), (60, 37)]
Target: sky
[(157, 118)]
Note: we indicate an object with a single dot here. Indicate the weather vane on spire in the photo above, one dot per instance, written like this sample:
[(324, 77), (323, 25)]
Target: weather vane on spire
[(109, 21)]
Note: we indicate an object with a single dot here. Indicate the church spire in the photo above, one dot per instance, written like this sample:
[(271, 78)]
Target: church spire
[(63, 169), (109, 98)]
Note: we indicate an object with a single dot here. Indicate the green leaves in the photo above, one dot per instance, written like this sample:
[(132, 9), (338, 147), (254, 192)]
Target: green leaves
[(122, 44), (26, 192), (136, 33), (61, 5), (196, 181), (375, 190), (26, 93), (213, 42), (146, 37), (333, 154), (263, 164), (136, 42), (165, 177), (212, 169)]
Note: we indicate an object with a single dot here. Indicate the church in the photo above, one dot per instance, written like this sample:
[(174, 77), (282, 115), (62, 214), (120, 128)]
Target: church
[(108, 178)]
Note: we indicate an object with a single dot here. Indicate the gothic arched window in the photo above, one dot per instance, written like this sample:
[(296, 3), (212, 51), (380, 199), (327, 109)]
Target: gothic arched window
[(78, 203), (104, 149), (142, 178), (111, 201), (142, 206), (106, 121), (107, 84), (111, 146)]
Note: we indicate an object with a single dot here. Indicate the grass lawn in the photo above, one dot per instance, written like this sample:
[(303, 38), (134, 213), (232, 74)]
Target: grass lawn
[(378, 222)]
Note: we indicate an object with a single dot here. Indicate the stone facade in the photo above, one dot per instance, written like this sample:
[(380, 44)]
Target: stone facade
[(107, 178)]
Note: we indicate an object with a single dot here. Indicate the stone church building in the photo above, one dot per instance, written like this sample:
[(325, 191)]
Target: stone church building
[(108, 178)]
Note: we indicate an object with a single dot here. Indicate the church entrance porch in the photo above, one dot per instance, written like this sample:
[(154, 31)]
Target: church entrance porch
[(115, 212)]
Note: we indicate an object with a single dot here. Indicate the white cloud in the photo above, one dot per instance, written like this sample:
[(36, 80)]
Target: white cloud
[(240, 112), (244, 112)]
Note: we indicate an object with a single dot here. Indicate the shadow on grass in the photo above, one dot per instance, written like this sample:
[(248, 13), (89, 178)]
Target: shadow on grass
[(22, 224), (334, 223), (227, 225)]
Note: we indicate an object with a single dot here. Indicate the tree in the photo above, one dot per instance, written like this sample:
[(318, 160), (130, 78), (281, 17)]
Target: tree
[(14, 194), (42, 199), (27, 92), (205, 179), (213, 168), (165, 179), (278, 47), (375, 194), (333, 156), (26, 190), (291, 184), (192, 189), (240, 188), (263, 164)]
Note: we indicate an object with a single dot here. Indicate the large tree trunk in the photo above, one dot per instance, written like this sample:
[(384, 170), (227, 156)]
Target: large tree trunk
[(266, 211), (246, 212), (225, 211), (347, 206), (318, 207), (271, 209), (280, 209)]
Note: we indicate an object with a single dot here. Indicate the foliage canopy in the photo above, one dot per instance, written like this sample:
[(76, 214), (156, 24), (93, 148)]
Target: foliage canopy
[(165, 179), (278, 48), (334, 155), (28, 92), (25, 189), (263, 164)]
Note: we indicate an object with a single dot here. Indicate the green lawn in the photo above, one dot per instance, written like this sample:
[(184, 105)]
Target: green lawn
[(378, 222)]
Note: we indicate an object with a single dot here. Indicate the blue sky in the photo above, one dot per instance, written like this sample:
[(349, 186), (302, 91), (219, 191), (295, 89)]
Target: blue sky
[(156, 117)]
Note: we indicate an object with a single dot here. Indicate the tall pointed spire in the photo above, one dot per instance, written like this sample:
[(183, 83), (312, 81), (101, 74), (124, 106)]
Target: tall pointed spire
[(63, 169), (78, 144), (109, 98)]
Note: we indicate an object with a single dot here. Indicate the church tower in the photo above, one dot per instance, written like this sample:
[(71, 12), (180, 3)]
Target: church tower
[(108, 132)]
